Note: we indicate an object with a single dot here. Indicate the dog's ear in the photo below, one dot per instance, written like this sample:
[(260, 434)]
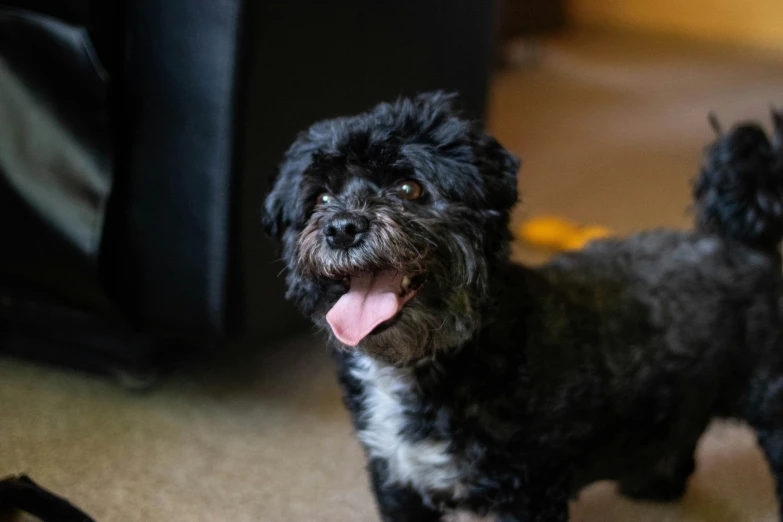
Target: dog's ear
[(283, 205), (499, 169), (497, 166), (274, 216)]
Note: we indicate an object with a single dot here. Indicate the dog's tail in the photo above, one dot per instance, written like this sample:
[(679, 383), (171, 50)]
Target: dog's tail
[(739, 192)]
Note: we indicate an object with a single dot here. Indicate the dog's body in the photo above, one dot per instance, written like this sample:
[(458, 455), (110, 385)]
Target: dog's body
[(601, 365), (502, 390)]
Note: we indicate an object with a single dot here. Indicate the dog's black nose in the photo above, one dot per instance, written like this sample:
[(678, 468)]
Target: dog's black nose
[(345, 230)]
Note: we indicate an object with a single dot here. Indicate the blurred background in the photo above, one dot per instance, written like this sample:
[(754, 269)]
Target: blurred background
[(151, 369)]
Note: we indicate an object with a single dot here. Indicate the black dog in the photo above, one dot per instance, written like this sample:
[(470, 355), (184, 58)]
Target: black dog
[(479, 385)]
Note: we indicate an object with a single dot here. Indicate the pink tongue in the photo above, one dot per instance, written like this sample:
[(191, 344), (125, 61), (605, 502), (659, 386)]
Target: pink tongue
[(372, 299)]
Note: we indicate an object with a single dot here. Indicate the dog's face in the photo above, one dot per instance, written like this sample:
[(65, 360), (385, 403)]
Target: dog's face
[(393, 223)]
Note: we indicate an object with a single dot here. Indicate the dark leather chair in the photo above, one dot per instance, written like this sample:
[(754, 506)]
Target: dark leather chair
[(136, 139)]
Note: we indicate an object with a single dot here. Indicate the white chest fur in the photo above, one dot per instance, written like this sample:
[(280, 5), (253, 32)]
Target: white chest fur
[(425, 465)]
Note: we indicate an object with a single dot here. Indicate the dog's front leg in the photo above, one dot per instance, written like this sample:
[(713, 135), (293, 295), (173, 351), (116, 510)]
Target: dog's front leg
[(398, 503)]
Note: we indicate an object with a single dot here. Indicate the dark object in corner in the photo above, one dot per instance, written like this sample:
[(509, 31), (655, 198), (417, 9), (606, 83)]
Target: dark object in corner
[(21, 493)]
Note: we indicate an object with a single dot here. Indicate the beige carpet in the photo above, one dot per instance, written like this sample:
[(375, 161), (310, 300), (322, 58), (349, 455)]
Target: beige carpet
[(611, 129)]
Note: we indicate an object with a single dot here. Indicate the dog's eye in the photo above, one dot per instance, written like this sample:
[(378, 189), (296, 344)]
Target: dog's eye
[(409, 190), (324, 199)]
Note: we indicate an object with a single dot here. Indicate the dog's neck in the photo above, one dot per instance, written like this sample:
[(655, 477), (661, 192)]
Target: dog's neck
[(495, 354)]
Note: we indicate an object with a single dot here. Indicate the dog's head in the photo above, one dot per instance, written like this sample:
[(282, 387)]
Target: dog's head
[(393, 223)]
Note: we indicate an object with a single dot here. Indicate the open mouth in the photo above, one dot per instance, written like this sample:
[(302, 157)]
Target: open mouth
[(373, 299), (411, 284)]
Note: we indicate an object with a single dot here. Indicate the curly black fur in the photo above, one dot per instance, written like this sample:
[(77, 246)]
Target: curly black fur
[(503, 390), (739, 193)]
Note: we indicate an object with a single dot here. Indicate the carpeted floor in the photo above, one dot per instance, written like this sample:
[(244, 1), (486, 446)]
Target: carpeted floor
[(610, 127)]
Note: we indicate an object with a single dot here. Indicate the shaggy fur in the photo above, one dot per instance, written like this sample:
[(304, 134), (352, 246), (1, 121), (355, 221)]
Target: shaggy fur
[(503, 390)]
